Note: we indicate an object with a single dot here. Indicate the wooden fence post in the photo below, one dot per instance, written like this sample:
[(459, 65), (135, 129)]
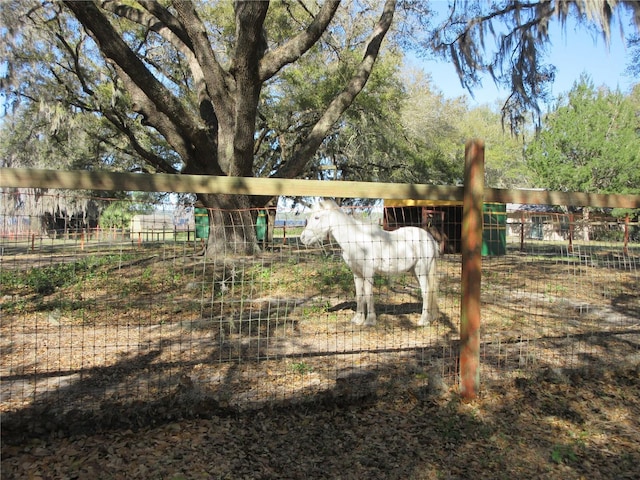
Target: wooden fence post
[(471, 268)]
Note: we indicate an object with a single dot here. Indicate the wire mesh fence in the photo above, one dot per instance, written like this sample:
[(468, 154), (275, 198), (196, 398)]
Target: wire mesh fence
[(565, 296), (95, 317)]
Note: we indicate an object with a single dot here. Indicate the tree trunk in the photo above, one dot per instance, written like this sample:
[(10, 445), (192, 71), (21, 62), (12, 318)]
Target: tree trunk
[(231, 225)]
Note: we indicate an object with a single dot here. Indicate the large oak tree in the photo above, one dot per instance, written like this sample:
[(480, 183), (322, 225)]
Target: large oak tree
[(218, 137)]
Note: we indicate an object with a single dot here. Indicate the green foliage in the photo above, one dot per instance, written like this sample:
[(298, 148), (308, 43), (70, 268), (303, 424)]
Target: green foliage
[(588, 144), (9, 280), (435, 130), (505, 166), (367, 143), (429, 139), (334, 274), (46, 280), (563, 454), (43, 280), (301, 368)]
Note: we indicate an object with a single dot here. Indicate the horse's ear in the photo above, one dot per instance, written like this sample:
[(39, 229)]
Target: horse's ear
[(328, 205)]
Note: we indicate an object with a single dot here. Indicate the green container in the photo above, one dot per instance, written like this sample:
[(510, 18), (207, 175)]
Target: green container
[(494, 229), (202, 222), (261, 226)]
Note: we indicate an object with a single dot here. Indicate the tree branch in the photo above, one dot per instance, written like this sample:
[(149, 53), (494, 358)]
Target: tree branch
[(161, 21), (218, 83), (289, 52), (158, 162), (117, 51), (336, 108), (158, 20)]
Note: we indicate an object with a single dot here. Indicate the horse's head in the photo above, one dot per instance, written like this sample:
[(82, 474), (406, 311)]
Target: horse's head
[(318, 223)]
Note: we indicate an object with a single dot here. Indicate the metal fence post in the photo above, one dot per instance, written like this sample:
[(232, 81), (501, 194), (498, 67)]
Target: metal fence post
[(471, 268), (625, 249)]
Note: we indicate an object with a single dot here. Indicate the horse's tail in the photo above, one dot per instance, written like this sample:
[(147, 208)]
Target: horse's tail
[(439, 237), (431, 247)]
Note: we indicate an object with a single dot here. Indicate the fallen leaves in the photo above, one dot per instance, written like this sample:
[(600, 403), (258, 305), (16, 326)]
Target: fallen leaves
[(532, 428)]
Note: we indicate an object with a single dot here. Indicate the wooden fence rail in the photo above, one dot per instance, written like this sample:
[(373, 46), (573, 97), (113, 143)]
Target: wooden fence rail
[(96, 180)]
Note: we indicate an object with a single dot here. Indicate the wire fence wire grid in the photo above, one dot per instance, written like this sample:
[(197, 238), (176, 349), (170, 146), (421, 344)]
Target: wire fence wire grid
[(96, 317)]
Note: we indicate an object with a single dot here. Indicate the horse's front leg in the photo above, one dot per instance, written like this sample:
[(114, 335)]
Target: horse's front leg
[(368, 297), (359, 317)]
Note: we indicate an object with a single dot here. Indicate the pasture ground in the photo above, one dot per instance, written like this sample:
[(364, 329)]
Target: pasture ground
[(155, 364)]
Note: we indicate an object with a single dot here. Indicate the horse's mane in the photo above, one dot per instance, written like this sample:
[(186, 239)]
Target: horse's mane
[(328, 204)]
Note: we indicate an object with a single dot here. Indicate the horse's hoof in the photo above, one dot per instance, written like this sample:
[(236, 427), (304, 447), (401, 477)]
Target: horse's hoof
[(357, 320), (371, 321)]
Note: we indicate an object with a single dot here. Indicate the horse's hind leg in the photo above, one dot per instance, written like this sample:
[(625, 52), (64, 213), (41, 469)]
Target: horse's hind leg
[(433, 289)]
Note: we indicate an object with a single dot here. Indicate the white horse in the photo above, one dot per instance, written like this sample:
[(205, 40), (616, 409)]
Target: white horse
[(368, 249)]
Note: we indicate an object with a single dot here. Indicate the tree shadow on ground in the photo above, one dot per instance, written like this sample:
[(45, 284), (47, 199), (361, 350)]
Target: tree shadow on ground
[(398, 313), (627, 304), (569, 423)]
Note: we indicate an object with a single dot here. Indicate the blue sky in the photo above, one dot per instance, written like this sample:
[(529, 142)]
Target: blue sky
[(573, 51)]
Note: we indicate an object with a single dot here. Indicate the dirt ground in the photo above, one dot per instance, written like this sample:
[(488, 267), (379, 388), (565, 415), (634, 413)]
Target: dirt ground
[(158, 365)]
